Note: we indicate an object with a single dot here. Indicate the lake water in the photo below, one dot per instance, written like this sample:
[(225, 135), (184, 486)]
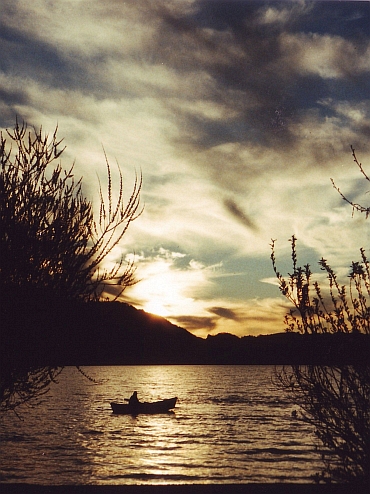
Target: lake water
[(230, 425)]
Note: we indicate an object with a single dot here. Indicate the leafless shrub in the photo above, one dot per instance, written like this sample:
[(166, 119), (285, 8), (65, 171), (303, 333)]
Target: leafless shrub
[(334, 399), (51, 246)]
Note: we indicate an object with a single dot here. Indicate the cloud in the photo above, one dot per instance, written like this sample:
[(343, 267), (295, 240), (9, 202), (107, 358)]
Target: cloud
[(223, 312), (170, 283), (195, 324), (281, 15), (254, 317), (237, 113), (329, 57), (240, 215)]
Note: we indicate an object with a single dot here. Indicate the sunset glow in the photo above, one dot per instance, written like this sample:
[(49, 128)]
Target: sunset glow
[(236, 113)]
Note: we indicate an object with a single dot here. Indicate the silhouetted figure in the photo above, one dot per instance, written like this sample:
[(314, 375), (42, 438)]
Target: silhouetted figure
[(133, 401), (294, 414)]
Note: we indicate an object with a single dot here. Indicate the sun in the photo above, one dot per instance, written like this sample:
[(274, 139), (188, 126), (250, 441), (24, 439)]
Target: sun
[(166, 290), (156, 307)]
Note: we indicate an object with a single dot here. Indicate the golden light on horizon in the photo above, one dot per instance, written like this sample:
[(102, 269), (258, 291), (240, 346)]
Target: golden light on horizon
[(164, 290), (156, 307)]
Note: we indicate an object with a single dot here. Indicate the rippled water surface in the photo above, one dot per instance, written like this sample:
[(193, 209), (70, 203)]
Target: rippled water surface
[(230, 424)]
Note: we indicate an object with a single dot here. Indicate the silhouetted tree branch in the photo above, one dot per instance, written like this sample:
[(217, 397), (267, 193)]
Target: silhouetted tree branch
[(355, 206), (51, 246), (334, 399)]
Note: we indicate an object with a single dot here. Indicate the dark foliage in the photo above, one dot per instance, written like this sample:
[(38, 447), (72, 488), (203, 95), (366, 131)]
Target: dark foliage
[(49, 238), (51, 249), (334, 398)]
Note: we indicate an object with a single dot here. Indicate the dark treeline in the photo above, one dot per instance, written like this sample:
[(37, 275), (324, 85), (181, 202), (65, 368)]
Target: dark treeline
[(49, 331)]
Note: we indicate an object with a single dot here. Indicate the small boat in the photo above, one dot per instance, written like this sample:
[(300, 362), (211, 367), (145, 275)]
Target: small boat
[(162, 406)]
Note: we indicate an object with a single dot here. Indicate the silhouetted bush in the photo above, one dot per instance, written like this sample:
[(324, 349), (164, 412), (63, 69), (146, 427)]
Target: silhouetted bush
[(335, 399), (51, 249)]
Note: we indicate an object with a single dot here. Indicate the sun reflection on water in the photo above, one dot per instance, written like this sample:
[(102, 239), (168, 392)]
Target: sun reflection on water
[(229, 426)]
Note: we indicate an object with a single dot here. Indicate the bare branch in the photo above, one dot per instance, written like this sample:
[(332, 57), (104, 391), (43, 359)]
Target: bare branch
[(50, 242), (335, 400), (355, 206)]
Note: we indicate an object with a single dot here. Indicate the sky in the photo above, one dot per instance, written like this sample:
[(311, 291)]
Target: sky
[(237, 114)]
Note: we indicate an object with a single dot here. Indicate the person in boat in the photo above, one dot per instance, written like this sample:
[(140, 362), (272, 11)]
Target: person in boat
[(133, 401)]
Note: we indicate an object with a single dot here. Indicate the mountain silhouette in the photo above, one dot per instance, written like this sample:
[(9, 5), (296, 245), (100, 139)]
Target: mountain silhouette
[(57, 332)]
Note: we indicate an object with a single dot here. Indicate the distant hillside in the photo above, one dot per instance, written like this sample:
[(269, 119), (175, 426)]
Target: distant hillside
[(289, 348), (102, 333)]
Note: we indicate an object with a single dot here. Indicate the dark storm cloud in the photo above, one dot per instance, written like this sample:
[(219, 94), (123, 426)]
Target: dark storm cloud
[(253, 73), (239, 214), (248, 72), (224, 312), (243, 68), (235, 64)]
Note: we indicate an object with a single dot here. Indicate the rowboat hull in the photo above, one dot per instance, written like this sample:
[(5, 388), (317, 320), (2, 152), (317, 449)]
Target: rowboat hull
[(147, 408)]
